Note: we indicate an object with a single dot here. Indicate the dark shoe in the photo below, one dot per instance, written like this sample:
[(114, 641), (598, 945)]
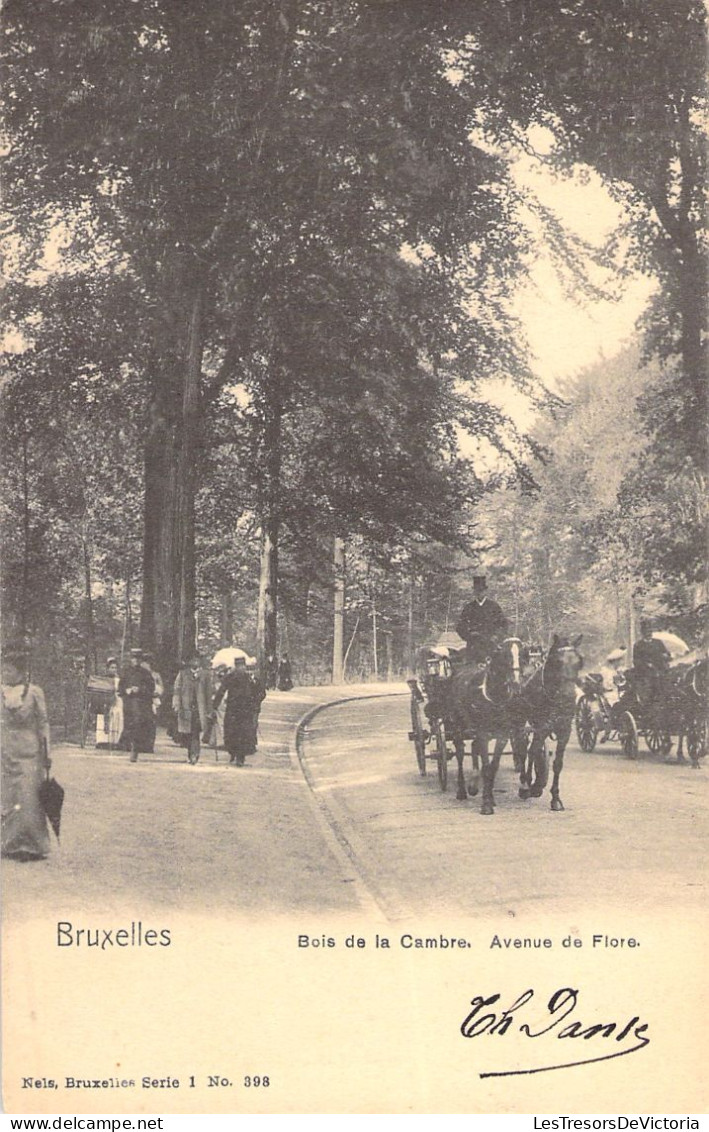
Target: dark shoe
[(134, 757)]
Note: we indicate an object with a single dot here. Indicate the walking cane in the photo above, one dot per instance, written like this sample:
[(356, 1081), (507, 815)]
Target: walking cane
[(214, 738)]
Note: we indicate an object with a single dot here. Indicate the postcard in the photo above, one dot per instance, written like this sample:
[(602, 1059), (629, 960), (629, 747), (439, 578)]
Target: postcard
[(354, 600)]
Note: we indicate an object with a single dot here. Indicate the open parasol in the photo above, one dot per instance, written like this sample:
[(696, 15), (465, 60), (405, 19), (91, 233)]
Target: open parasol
[(225, 657), (675, 646)]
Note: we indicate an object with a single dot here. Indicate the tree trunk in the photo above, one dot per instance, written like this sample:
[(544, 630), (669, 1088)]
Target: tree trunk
[(127, 625), (188, 479), (374, 640), (694, 358), (411, 659), (347, 650), (227, 619), (167, 624), (24, 619), (90, 643), (389, 643), (267, 617), (631, 627), (338, 671)]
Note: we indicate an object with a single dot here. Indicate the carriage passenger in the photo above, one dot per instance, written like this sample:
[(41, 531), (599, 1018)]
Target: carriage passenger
[(647, 679), (611, 673), (650, 655)]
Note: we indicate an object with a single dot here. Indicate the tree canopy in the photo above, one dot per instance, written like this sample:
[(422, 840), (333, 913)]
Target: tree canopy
[(261, 261)]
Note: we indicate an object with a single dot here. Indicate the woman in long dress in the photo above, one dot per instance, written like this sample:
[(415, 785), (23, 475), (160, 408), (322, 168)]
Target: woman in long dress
[(241, 716), (25, 750), (109, 724)]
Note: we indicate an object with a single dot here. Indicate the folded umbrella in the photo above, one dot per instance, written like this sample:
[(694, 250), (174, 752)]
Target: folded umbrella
[(51, 796)]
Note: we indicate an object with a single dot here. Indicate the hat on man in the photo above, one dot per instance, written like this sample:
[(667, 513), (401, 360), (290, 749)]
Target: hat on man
[(136, 653), (111, 660), (479, 582)]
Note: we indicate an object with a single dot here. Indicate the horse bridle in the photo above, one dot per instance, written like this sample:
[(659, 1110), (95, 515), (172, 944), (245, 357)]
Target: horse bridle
[(515, 643), (559, 649)]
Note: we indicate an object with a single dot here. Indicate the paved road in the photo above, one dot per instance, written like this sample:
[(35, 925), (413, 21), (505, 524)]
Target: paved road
[(632, 833), (366, 833)]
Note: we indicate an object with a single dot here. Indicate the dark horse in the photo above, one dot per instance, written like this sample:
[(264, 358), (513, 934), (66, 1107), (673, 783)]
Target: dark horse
[(480, 707), (545, 707), (690, 696)]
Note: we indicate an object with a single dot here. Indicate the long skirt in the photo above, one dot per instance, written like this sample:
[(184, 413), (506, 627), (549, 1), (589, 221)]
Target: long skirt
[(240, 731), (109, 726), (25, 835), (138, 730)]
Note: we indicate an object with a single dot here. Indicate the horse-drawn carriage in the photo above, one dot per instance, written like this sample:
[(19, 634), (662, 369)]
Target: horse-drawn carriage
[(655, 706), (430, 709), (457, 708)]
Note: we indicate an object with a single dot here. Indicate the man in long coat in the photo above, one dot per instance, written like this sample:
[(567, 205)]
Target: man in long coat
[(482, 623), (148, 663), (243, 700), (136, 688), (191, 696)]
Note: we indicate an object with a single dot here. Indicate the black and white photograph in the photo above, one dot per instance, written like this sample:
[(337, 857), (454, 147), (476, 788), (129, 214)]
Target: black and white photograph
[(354, 544)]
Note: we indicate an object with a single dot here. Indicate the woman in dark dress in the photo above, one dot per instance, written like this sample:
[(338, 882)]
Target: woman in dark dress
[(243, 700), (285, 676)]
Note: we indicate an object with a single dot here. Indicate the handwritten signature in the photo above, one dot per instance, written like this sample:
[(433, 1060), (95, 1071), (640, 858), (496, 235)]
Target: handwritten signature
[(552, 1023)]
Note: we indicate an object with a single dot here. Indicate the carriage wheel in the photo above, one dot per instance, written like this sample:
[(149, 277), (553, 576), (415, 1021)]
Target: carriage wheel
[(418, 737), (442, 753), (658, 740), (697, 739), (628, 734), (586, 730)]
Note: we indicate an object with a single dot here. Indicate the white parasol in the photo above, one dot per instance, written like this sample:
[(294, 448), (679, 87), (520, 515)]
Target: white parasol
[(449, 640), (675, 646), (225, 657)]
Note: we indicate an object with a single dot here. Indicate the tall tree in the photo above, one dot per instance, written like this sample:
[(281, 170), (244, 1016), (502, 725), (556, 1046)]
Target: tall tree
[(252, 173), (621, 84)]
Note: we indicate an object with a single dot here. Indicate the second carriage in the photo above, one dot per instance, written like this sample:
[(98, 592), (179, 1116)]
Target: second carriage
[(656, 707)]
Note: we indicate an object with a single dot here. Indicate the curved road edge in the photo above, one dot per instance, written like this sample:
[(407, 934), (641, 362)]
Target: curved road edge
[(329, 815)]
